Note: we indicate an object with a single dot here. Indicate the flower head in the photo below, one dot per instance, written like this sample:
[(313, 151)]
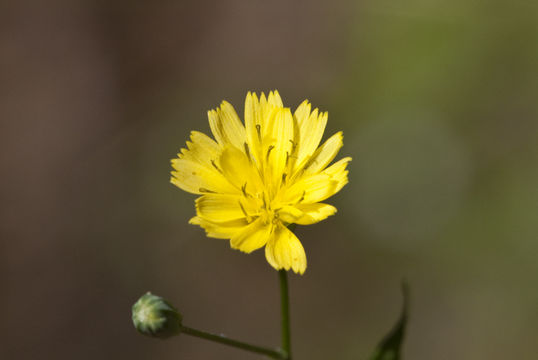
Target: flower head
[(258, 178)]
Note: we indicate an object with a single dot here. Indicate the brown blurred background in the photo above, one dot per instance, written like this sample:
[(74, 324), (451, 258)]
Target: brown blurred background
[(438, 104)]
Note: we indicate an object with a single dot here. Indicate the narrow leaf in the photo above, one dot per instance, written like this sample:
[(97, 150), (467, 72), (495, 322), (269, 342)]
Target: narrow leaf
[(390, 347)]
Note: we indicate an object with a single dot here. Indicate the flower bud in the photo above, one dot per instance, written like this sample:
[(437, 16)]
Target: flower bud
[(154, 316)]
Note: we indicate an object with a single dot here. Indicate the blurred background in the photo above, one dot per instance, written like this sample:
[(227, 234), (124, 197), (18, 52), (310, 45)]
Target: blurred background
[(438, 104)]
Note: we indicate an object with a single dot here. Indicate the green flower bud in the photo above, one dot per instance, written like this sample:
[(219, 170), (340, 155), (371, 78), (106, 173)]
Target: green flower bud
[(154, 316)]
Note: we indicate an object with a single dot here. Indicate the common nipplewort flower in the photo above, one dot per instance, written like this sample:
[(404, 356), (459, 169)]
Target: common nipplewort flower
[(258, 178)]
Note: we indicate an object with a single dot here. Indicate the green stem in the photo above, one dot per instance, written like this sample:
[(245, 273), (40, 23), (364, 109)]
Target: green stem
[(285, 313), (275, 354)]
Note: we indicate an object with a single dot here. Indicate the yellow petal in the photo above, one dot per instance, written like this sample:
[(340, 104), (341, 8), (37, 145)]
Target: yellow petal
[(280, 147), (252, 237), (198, 179), (220, 208), (240, 172), (201, 149), (222, 230), (313, 213), (311, 189), (285, 251), (290, 214), (268, 109), (324, 154), (310, 134), (306, 214), (318, 187), (260, 123), (302, 113), (226, 126), (263, 102), (274, 99), (338, 172), (253, 126)]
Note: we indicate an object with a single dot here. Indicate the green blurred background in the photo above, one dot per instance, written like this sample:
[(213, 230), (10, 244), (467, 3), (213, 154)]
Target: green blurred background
[(438, 104)]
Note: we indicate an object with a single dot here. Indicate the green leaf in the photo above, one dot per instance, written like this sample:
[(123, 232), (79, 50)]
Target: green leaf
[(389, 348)]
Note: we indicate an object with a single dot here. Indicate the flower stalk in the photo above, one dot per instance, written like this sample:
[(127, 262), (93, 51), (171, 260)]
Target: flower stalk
[(273, 353), (285, 313)]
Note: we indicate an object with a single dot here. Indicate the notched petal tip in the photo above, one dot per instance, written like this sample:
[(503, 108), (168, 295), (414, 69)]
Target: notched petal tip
[(300, 271), (285, 251)]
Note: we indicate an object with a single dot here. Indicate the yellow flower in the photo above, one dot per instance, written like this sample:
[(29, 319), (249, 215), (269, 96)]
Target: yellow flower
[(258, 178)]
